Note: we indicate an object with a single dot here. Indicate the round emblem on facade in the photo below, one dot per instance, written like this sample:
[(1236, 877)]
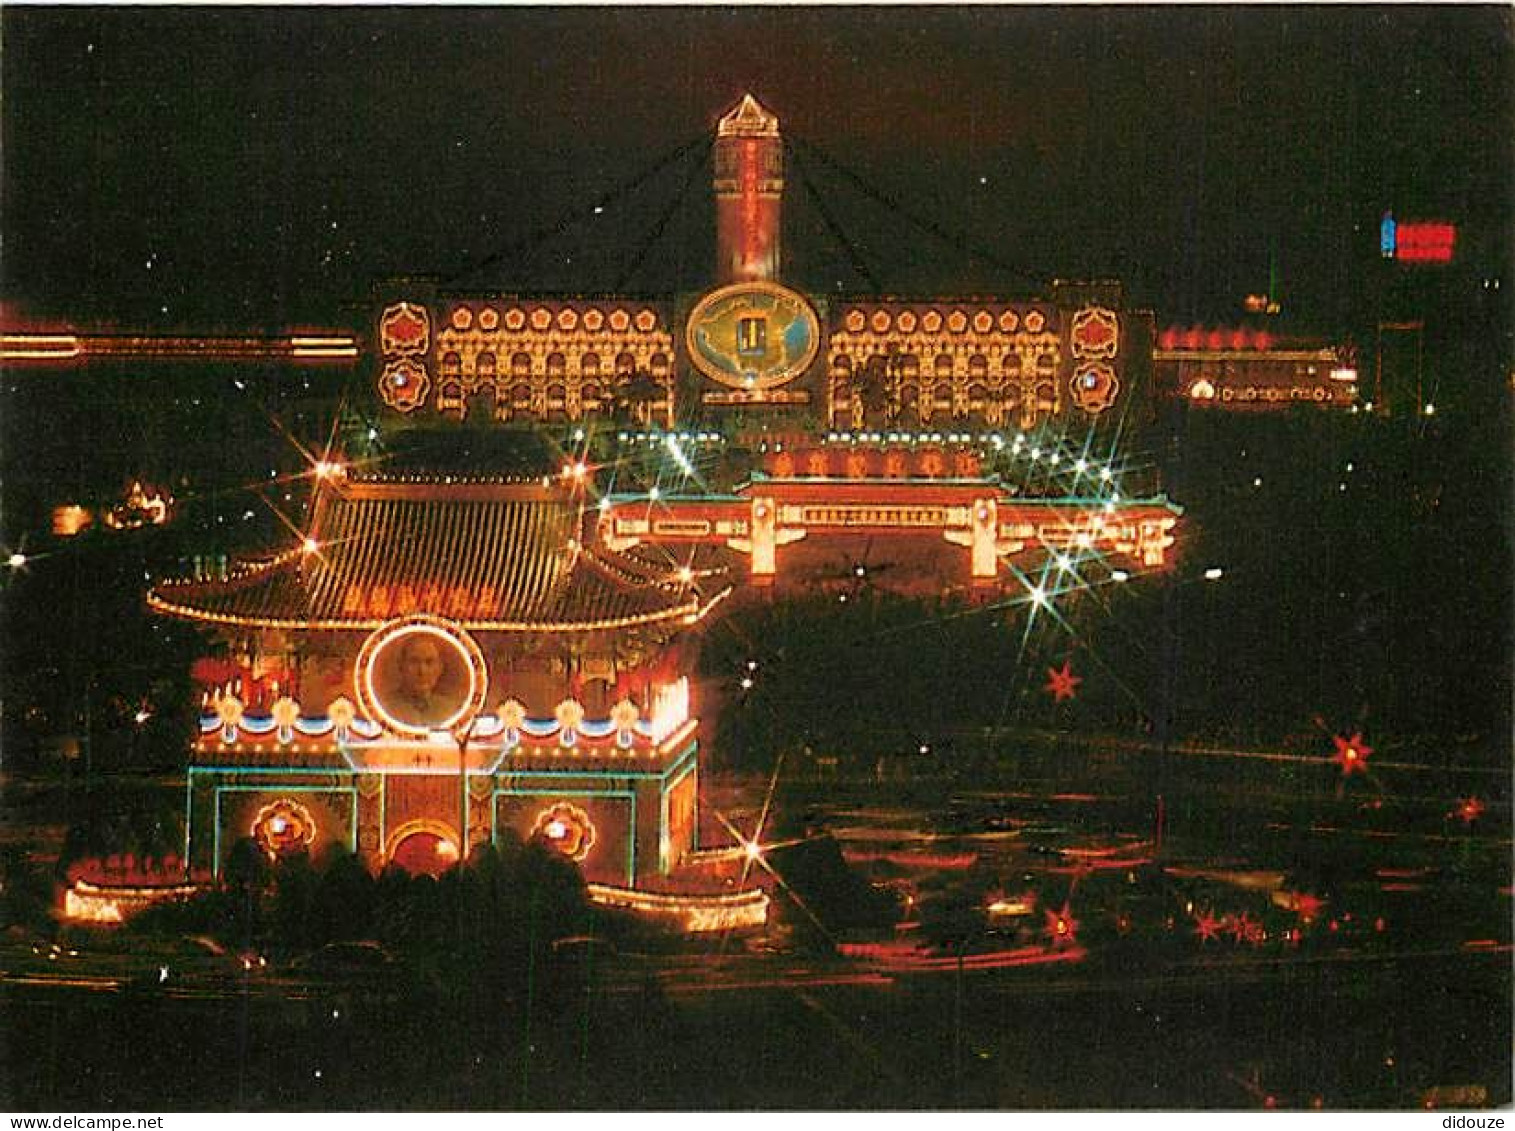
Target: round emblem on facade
[(419, 674), (1094, 387), (752, 336), (404, 384)]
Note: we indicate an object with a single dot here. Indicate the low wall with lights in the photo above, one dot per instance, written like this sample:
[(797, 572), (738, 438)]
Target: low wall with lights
[(89, 904), (691, 914)]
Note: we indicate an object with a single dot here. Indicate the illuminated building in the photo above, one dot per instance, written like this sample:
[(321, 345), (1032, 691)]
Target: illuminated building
[(1245, 369), (443, 626), (440, 659)]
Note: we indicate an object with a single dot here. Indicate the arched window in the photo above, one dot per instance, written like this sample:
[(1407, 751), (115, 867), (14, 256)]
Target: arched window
[(520, 365), (589, 365), (943, 365)]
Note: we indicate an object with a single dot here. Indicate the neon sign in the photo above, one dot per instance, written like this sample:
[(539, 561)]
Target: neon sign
[(1417, 242)]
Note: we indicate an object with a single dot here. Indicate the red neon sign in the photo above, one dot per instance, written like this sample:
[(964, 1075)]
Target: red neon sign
[(1426, 243)]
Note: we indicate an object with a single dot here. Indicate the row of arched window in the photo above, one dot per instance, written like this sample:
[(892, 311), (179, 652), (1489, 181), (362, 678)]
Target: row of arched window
[(1025, 401), (908, 366), (486, 367)]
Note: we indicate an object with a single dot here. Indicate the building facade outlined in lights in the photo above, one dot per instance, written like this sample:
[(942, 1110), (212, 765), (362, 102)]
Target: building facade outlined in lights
[(449, 657)]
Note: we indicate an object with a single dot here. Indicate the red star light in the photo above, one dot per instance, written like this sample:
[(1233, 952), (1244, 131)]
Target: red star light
[(1062, 683), (1469, 810), (1352, 753), (1062, 927), (1207, 927)]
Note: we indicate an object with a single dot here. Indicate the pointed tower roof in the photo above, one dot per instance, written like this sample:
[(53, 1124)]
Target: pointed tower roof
[(747, 119)]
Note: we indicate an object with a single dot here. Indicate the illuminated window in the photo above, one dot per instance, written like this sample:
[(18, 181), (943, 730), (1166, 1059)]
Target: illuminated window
[(752, 336)]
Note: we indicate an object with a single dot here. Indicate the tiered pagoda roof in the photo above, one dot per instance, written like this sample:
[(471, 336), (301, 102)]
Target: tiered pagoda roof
[(495, 557)]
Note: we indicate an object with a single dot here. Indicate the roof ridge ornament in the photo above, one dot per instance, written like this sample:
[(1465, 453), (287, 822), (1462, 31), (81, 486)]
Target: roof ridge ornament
[(748, 118)]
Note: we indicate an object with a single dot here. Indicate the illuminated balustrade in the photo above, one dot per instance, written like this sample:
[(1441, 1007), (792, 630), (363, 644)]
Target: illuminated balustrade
[(229, 731)]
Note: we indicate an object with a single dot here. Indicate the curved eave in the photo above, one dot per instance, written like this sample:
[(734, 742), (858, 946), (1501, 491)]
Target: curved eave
[(689, 612)]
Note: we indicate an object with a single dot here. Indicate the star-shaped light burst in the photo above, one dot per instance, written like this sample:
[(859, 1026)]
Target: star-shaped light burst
[(1469, 809), (1062, 683), (1207, 927), (1352, 753), (1062, 927)]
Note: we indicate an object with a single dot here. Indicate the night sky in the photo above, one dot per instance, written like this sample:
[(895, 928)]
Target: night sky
[(205, 168)]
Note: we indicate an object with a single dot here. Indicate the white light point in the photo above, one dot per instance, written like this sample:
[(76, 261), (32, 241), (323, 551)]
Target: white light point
[(753, 850), (310, 545), (1039, 596), (1214, 573), (654, 493), (1080, 466), (1119, 575), (17, 560)]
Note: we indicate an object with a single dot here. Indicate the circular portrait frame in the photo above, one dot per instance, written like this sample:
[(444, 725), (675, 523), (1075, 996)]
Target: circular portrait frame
[(412, 689)]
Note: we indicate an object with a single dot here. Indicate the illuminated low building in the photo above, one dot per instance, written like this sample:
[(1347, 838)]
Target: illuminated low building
[(1244, 369)]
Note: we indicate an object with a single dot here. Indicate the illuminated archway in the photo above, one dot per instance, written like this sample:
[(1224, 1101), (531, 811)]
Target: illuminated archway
[(423, 847)]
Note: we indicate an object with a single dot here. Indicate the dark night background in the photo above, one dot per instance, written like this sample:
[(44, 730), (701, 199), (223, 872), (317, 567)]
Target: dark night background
[(225, 169), (270, 164)]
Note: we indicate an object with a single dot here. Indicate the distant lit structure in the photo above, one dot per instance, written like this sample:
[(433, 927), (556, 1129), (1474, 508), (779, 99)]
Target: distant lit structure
[(1421, 241), (141, 506), (1248, 369)]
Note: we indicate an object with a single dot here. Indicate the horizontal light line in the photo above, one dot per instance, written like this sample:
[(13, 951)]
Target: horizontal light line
[(349, 352), (7, 354)]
